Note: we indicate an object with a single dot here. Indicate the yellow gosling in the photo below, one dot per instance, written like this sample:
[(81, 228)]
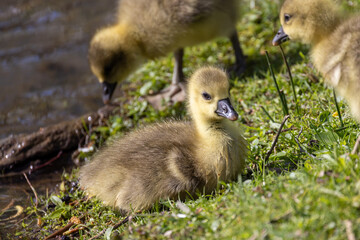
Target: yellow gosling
[(172, 159), (335, 41), (146, 30)]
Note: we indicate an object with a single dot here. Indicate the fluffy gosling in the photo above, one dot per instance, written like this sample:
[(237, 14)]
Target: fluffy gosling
[(172, 159), (335, 41), (151, 29)]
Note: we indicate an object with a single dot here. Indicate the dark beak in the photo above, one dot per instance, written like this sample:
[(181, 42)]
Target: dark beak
[(226, 110), (280, 37), (108, 90)]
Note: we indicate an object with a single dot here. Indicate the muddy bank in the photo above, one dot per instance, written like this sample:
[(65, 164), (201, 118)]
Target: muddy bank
[(16, 194)]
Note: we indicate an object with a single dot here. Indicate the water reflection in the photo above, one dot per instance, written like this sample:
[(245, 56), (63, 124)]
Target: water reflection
[(44, 72)]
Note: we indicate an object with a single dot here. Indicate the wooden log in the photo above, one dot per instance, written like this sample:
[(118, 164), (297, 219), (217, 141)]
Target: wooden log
[(19, 150)]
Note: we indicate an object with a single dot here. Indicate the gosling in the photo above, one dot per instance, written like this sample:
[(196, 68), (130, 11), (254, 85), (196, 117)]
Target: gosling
[(146, 30), (172, 159), (335, 42)]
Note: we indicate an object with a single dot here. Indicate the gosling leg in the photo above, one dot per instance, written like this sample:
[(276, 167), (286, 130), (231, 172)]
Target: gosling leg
[(176, 91), (177, 88), (178, 75), (240, 63)]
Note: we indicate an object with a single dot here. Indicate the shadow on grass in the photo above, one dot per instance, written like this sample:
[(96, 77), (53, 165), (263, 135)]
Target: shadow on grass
[(257, 64)]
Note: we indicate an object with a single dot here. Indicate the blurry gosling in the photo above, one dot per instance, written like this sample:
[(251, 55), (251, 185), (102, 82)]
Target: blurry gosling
[(335, 42), (172, 159), (146, 30)]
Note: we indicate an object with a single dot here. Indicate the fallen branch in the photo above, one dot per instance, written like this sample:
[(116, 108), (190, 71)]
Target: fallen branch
[(276, 138), (32, 188), (60, 231), (71, 231), (19, 150), (125, 220), (72, 221)]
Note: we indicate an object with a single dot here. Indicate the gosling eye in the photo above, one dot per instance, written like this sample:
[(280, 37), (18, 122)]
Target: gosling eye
[(287, 17), (206, 96)]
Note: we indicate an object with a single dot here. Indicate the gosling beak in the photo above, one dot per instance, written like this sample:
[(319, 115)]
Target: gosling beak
[(280, 37), (226, 110), (108, 90)]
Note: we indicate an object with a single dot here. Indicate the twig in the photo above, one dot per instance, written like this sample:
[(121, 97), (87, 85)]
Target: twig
[(337, 108), (276, 138), (30, 169), (71, 231), (11, 203), (32, 188), (284, 130), (349, 230), (60, 231), (19, 211), (125, 220), (48, 162), (356, 146), (73, 220), (289, 129), (26, 217)]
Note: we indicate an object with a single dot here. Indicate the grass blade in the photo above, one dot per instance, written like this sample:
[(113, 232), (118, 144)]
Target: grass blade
[(338, 109), (291, 78), (267, 114), (281, 94)]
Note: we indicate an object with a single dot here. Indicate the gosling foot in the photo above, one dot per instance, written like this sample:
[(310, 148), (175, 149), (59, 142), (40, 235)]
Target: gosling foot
[(172, 94)]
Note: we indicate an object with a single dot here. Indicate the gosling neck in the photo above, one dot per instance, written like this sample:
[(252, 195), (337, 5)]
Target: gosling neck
[(210, 128)]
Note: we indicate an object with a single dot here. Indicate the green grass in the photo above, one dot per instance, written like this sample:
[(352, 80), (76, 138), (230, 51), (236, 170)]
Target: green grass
[(308, 189)]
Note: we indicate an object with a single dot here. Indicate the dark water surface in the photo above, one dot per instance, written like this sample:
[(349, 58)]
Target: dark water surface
[(44, 73), (45, 77)]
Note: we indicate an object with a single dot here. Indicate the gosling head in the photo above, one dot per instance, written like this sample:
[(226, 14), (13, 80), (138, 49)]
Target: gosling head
[(308, 21), (113, 56), (209, 97)]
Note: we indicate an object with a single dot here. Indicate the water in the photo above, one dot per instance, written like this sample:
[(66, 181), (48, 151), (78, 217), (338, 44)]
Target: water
[(15, 192), (44, 73), (45, 78)]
